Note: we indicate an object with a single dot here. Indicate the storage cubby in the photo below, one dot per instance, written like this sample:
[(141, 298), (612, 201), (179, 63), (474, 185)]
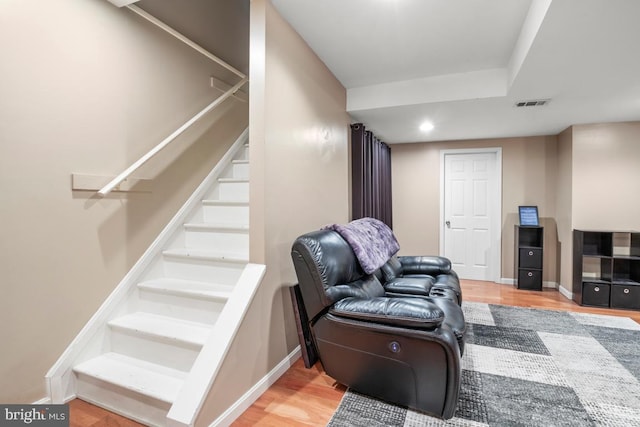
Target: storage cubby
[(621, 244), (596, 243), (596, 268), (626, 271), (606, 268), (528, 257)]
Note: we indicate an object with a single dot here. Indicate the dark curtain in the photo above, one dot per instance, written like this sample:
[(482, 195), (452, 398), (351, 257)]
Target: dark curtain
[(370, 176)]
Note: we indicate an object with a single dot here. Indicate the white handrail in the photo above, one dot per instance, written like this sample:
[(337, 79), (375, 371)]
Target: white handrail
[(127, 172), (184, 39)]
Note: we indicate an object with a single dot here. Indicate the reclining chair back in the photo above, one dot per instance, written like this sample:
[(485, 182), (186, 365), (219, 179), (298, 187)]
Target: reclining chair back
[(328, 271)]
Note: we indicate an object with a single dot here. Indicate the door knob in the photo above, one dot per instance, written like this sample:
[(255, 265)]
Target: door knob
[(448, 224)]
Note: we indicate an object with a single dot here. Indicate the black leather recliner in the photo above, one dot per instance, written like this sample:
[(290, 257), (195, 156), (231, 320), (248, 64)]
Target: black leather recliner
[(404, 349)]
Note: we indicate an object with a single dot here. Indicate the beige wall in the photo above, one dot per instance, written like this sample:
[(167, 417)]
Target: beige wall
[(581, 178), (87, 88), (529, 168), (606, 170), (597, 168), (299, 182)]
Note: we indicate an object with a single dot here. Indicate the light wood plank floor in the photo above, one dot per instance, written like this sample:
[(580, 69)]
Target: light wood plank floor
[(308, 397)]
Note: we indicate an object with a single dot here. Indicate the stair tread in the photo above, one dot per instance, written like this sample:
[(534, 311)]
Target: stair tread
[(241, 180), (213, 226), (215, 202), (204, 255), (190, 288), (156, 381), (171, 329)]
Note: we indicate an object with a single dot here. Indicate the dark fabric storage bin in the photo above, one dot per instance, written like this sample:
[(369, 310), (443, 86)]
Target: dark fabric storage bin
[(530, 279), (625, 296), (596, 294), (530, 258)]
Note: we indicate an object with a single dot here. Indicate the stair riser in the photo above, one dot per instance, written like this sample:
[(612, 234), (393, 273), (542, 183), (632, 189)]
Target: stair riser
[(244, 153), (233, 190), (185, 308), (125, 402), (177, 355), (232, 243), (240, 171), (226, 214), (236, 171), (202, 271)]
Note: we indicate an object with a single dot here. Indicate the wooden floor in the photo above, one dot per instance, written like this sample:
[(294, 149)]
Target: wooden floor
[(308, 397), (83, 414)]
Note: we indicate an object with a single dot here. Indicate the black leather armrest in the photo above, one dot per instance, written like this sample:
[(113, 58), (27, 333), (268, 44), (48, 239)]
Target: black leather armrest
[(409, 285), (405, 312), (429, 265)]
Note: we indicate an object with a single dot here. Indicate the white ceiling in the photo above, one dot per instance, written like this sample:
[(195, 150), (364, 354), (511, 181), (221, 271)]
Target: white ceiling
[(463, 64)]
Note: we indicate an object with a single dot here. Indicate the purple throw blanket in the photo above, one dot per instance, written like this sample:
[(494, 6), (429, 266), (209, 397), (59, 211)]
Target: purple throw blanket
[(372, 241)]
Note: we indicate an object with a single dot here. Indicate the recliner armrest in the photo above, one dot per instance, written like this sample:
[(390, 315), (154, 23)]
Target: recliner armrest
[(429, 265), (405, 312), (409, 285)]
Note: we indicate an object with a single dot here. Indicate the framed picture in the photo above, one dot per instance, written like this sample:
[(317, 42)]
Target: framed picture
[(529, 216)]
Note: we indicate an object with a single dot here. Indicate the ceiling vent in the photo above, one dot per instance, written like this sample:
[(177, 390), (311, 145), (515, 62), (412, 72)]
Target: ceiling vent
[(533, 103)]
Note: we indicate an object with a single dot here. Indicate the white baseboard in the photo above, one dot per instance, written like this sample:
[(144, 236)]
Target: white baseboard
[(242, 404), (47, 400), (508, 281), (567, 294)]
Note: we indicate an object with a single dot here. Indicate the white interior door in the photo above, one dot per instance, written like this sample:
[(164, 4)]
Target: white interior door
[(470, 235)]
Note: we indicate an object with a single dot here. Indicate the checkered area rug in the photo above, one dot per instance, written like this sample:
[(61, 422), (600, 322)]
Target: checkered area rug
[(530, 367)]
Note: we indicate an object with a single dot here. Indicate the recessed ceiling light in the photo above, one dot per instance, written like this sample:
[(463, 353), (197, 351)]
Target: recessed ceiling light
[(426, 127)]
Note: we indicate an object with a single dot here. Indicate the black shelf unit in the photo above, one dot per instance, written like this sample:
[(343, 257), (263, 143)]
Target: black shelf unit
[(606, 268), (529, 242)]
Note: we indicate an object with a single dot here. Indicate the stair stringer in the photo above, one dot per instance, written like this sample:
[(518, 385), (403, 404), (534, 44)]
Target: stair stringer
[(60, 379), (187, 406)]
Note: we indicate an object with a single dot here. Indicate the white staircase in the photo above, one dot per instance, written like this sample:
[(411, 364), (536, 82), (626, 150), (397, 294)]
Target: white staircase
[(138, 354)]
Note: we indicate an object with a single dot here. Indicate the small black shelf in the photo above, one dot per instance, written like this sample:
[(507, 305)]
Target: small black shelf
[(606, 268), (529, 242)]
